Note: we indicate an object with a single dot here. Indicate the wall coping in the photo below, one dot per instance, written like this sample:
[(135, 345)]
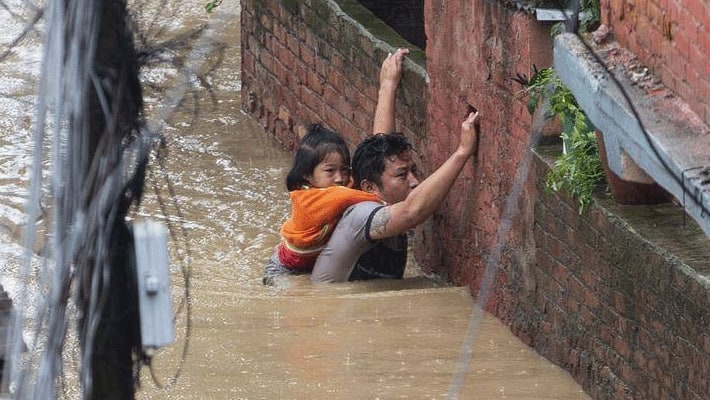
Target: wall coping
[(676, 151), (381, 35), (687, 249)]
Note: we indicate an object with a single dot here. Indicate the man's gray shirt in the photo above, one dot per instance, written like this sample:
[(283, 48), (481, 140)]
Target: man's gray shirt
[(351, 246)]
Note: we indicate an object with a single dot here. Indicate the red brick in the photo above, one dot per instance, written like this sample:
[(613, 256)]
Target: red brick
[(280, 33), (248, 62), (266, 60), (655, 15), (293, 44), (590, 299), (322, 66), (310, 39), (266, 22), (703, 90), (335, 99), (307, 54), (313, 101), (560, 272), (314, 81), (363, 122), (274, 8), (337, 81), (286, 56), (282, 73), (646, 340), (365, 105), (306, 115)]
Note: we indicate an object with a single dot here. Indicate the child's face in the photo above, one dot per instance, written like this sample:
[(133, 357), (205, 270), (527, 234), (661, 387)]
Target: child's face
[(331, 171)]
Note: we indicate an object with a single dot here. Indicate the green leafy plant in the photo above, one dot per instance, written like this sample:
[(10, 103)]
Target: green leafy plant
[(592, 16), (211, 5), (578, 170)]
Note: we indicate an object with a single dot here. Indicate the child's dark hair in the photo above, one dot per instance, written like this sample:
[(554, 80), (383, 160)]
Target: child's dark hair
[(315, 145), (369, 156)]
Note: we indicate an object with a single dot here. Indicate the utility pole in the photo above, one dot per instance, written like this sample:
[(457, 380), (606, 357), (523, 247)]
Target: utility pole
[(115, 112), (91, 100)]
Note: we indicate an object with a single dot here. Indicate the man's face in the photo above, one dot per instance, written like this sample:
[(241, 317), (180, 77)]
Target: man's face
[(399, 178)]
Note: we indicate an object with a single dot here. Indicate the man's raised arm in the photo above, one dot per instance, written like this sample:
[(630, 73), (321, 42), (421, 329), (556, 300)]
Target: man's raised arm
[(390, 75), (423, 200)]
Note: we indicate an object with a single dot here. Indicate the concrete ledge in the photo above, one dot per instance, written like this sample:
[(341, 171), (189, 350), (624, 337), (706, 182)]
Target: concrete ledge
[(674, 150)]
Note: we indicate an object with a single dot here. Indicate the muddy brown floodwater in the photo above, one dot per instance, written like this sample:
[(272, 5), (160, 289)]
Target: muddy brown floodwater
[(367, 340)]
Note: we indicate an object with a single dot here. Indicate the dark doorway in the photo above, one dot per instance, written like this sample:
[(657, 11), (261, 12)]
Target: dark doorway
[(406, 17)]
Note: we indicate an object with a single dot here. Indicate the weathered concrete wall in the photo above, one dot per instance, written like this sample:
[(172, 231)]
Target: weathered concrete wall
[(672, 39), (626, 318)]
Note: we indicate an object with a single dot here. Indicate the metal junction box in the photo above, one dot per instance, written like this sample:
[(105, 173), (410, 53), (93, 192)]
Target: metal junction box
[(154, 298)]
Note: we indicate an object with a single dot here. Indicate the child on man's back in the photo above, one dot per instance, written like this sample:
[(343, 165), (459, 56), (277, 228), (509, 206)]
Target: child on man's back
[(317, 185)]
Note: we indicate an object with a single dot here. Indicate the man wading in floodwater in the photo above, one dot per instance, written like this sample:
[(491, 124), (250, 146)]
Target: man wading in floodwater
[(370, 239)]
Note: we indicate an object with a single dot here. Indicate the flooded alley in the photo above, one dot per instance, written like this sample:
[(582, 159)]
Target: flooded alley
[(221, 187)]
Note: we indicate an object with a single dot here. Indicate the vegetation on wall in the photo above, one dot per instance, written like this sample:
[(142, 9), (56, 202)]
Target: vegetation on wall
[(591, 15), (578, 170), (212, 4), (529, 6)]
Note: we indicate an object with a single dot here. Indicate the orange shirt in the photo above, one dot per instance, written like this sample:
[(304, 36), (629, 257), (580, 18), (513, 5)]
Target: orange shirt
[(314, 213)]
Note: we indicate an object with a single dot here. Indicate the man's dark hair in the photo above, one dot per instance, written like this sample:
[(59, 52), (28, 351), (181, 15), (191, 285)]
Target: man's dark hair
[(315, 145), (370, 155)]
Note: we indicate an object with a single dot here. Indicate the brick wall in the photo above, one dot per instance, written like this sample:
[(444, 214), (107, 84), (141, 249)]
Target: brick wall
[(626, 318), (672, 39), (473, 63), (309, 62)]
